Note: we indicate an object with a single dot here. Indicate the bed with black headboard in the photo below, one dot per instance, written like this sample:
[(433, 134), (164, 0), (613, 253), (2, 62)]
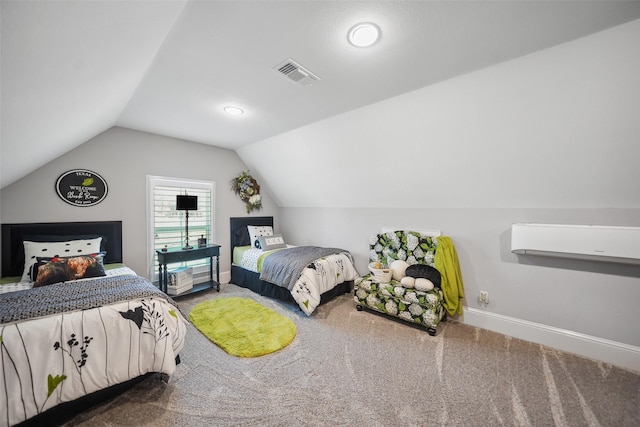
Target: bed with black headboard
[(309, 290), (73, 334), (13, 236)]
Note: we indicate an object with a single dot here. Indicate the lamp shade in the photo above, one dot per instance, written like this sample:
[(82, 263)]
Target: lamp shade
[(186, 203)]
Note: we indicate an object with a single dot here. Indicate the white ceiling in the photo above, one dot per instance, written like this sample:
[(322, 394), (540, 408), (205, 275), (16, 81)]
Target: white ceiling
[(73, 69)]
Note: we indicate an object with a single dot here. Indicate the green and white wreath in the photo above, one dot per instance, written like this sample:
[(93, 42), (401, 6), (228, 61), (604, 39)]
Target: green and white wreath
[(245, 186)]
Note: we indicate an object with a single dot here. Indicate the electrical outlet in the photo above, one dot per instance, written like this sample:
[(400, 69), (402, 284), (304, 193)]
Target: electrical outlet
[(484, 297)]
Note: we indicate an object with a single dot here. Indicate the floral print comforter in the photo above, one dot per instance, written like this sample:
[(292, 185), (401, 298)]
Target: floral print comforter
[(393, 298), (56, 358), (318, 277)]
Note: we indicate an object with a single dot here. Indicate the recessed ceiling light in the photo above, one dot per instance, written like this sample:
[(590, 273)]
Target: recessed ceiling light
[(364, 34), (233, 111)]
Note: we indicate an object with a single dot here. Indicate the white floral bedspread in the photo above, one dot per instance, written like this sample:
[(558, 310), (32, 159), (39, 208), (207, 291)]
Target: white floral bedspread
[(323, 275), (58, 358), (320, 276)]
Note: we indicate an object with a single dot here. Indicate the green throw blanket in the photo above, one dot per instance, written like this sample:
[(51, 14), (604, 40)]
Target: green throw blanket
[(446, 262)]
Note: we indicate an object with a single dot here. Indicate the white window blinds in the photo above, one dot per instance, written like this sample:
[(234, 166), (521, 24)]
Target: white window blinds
[(167, 225)]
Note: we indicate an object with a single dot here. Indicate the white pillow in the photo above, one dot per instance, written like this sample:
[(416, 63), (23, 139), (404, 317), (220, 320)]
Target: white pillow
[(32, 250), (256, 231), (398, 268), (423, 284)]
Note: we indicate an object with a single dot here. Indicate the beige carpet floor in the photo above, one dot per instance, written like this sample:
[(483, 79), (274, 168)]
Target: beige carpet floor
[(350, 368)]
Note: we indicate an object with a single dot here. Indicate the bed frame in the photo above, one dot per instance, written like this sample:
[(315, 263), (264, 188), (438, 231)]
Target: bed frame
[(251, 280), (14, 234), (12, 265)]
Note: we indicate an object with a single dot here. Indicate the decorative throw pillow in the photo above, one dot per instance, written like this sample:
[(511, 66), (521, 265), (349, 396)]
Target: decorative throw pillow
[(424, 285), (398, 269), (54, 271), (267, 243), (94, 271), (33, 250), (408, 282), (256, 231), (59, 269), (424, 271)]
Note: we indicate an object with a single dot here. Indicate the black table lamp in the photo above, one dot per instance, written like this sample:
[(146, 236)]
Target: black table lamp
[(186, 203)]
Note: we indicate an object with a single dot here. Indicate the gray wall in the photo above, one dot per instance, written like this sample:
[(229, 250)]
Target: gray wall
[(555, 129), (124, 158), (593, 298), (550, 137)]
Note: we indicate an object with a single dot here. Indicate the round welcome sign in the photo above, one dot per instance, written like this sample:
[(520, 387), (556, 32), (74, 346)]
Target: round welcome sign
[(80, 187)]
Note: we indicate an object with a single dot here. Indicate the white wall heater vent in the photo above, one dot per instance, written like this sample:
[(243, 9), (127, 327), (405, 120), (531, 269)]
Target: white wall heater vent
[(592, 242), (296, 72)]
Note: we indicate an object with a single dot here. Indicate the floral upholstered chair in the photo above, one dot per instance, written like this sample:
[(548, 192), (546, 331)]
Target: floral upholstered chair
[(404, 301)]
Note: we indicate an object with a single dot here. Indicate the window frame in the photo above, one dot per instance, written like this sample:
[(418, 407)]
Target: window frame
[(154, 181)]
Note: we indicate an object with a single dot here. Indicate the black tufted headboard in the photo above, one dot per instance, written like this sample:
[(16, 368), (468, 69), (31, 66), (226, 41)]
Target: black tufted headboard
[(239, 232)]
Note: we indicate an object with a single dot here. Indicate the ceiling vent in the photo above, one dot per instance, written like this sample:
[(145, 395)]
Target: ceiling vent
[(296, 72)]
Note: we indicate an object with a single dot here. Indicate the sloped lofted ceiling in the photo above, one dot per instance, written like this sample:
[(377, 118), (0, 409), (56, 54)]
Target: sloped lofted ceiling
[(73, 69)]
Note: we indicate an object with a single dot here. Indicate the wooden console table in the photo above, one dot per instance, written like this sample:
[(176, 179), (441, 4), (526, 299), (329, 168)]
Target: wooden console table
[(174, 255)]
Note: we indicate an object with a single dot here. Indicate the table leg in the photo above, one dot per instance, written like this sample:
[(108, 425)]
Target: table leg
[(218, 271), (163, 277)]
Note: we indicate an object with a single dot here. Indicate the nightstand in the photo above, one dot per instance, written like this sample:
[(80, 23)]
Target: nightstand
[(175, 255)]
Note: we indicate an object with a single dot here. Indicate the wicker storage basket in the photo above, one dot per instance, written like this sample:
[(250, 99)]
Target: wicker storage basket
[(380, 275)]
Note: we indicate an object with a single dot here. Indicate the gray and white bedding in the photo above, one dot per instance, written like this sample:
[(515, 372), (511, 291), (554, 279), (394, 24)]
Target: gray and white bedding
[(306, 271), (22, 285), (62, 341), (285, 267)]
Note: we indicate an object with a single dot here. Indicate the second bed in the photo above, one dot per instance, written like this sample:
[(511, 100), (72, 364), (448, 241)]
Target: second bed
[(305, 275)]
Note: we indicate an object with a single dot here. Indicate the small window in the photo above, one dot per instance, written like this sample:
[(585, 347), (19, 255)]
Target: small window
[(167, 225)]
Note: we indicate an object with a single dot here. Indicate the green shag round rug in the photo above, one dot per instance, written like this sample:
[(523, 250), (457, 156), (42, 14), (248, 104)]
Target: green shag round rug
[(243, 327)]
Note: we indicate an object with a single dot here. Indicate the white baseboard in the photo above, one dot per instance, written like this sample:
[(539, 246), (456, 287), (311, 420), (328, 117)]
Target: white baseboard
[(612, 352), (225, 276)]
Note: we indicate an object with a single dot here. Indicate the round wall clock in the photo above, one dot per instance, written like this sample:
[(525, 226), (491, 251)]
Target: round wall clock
[(80, 187)]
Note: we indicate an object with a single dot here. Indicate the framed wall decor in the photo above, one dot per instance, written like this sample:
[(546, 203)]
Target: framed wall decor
[(81, 187)]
